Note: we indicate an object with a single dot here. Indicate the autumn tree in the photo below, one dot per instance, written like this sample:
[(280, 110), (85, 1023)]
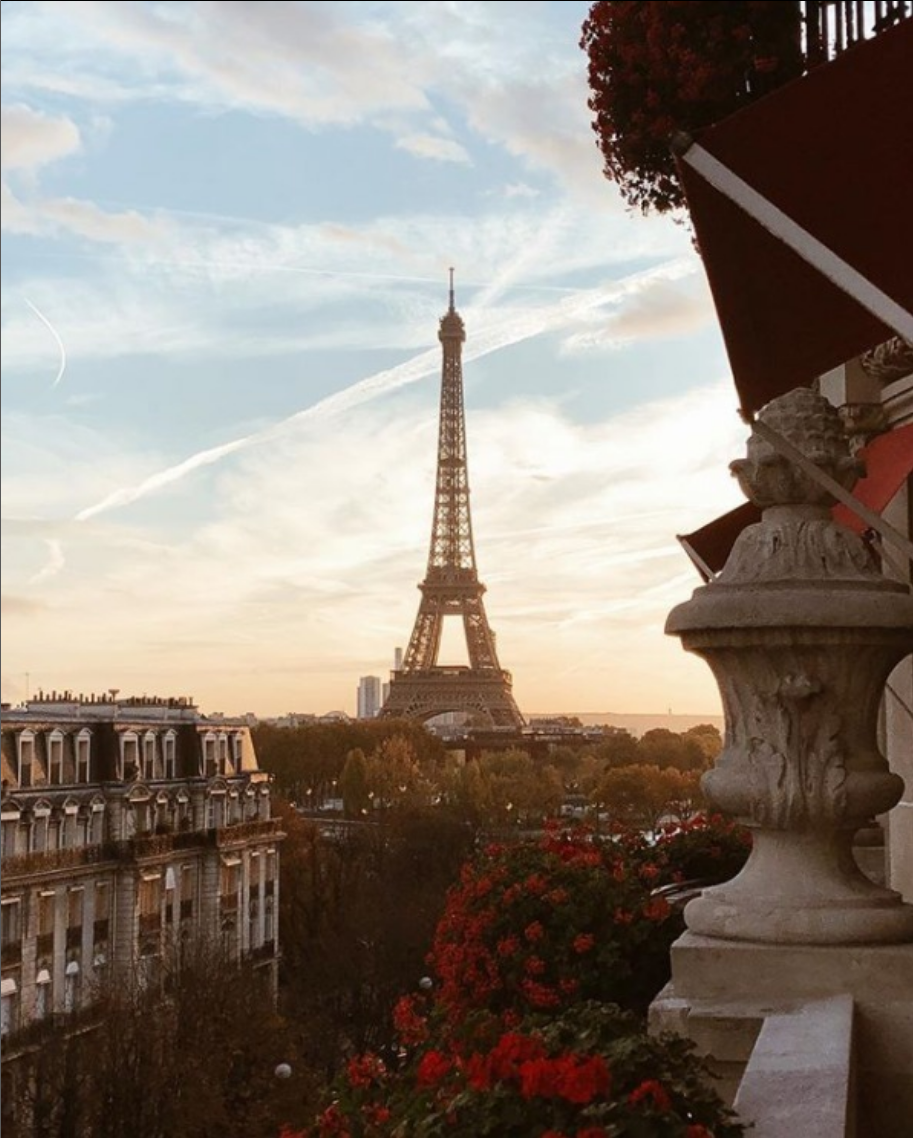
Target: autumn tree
[(353, 784), (641, 795)]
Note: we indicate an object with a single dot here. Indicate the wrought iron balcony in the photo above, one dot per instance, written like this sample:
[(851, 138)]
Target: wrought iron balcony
[(831, 27)]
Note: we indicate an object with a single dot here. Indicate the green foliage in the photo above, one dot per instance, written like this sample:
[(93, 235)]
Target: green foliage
[(309, 758)]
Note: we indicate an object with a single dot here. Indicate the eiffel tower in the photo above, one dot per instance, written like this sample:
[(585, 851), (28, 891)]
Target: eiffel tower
[(422, 688)]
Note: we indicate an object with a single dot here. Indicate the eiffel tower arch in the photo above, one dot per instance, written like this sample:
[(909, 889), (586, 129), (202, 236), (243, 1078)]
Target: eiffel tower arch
[(422, 688)]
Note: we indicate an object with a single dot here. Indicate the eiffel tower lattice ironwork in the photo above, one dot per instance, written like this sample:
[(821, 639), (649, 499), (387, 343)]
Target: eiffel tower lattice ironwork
[(422, 688)]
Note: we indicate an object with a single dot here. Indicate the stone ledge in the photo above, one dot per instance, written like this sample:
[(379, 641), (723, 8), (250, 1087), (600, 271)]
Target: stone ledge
[(708, 970), (799, 1079)]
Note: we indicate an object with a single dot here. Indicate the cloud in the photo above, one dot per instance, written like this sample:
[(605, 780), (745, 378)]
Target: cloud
[(55, 562), (433, 146), (30, 139), (519, 190), (16, 606), (502, 333), (665, 309), (327, 531), (306, 61)]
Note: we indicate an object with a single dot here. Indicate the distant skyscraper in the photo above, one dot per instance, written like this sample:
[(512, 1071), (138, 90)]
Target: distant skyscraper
[(397, 659), (369, 697)]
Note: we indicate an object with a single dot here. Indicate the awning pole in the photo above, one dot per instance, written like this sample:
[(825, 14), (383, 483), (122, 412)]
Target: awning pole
[(805, 464), (782, 226), (696, 560)]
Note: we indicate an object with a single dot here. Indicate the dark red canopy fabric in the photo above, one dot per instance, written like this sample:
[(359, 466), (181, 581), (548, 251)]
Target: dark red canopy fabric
[(834, 152), (888, 461)]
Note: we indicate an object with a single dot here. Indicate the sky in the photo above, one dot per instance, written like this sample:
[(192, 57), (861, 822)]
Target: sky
[(226, 234)]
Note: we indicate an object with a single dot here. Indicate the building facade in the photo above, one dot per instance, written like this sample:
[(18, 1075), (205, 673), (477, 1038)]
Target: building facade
[(130, 828)]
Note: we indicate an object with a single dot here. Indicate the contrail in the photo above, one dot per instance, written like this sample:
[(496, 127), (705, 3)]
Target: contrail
[(50, 327), (54, 564), (511, 331)]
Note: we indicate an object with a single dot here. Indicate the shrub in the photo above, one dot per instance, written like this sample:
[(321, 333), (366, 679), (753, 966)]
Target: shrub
[(542, 925), (590, 1072)]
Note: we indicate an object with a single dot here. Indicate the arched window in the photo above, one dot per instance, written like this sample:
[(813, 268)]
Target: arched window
[(26, 758), (55, 758), (84, 756)]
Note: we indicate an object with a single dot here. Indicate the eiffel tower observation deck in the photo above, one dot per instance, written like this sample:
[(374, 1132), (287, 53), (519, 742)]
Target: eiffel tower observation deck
[(422, 688)]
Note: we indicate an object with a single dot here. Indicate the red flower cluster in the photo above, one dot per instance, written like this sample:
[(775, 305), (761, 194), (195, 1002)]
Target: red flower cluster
[(651, 1092), (538, 926), (411, 1027), (678, 65)]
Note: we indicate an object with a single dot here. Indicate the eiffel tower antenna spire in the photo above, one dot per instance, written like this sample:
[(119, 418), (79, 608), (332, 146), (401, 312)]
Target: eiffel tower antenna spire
[(423, 688)]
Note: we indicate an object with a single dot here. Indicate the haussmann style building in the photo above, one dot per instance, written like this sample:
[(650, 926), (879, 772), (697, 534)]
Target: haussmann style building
[(130, 829)]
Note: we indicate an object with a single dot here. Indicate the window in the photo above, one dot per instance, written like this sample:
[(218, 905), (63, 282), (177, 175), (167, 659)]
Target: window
[(238, 749), (129, 755), (269, 931), (71, 987), (9, 833), (83, 756), (188, 891), (97, 822), (46, 906), (150, 913), (75, 903), (149, 771), (12, 931), (101, 931), (253, 917), (40, 813), (223, 754), (169, 744), (26, 757), (215, 807), (231, 878), (42, 994), (55, 758), (209, 755), (9, 1020)]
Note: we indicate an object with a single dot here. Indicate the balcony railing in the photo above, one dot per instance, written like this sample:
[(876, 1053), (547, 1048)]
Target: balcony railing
[(831, 27), (45, 861), (149, 845), (244, 831)]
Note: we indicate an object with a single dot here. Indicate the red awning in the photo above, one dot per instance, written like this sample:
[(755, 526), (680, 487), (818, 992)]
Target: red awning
[(825, 161), (888, 461)]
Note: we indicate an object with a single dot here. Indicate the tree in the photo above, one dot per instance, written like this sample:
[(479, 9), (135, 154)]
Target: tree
[(708, 738), (353, 784), (663, 748), (640, 795), (618, 749)]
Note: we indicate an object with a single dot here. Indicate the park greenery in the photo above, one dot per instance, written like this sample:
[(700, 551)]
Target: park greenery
[(367, 769), (391, 889)]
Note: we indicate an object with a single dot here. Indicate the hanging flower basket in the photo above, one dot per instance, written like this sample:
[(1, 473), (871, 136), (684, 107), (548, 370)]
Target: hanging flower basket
[(658, 68)]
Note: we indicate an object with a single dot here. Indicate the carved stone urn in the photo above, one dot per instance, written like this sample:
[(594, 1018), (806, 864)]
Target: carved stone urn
[(801, 631)]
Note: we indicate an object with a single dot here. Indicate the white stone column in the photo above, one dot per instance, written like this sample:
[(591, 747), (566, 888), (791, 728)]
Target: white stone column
[(801, 630)]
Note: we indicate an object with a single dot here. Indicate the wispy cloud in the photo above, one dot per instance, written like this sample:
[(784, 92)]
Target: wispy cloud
[(511, 330)]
